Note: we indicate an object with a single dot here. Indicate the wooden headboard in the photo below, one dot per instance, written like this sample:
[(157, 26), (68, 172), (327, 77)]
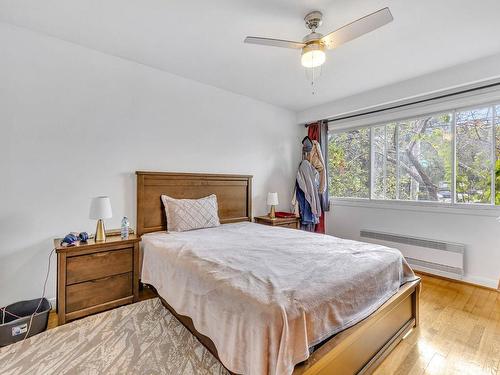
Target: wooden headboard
[(234, 196)]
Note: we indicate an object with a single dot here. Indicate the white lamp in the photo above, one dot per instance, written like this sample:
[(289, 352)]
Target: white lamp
[(100, 208), (272, 200)]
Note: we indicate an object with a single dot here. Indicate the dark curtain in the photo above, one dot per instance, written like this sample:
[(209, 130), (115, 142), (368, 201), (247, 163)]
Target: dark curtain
[(318, 131)]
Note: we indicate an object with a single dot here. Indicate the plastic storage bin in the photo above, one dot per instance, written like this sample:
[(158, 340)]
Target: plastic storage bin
[(13, 328)]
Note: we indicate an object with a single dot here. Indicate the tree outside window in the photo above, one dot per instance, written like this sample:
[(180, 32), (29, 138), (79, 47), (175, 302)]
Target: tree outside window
[(413, 159)]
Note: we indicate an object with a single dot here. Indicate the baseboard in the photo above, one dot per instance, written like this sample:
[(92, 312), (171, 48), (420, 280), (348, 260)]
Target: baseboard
[(436, 272), (489, 284)]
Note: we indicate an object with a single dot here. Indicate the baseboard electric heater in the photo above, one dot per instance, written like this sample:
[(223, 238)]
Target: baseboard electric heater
[(433, 256)]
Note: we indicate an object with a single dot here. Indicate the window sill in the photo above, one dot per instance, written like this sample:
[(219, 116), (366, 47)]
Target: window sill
[(442, 208)]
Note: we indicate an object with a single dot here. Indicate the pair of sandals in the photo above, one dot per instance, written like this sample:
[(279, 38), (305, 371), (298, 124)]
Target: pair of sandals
[(71, 238)]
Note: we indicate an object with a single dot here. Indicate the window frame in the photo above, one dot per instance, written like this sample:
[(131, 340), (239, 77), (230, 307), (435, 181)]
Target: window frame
[(488, 209)]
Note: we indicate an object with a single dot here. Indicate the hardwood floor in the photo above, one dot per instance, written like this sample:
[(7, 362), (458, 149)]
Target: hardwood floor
[(459, 332)]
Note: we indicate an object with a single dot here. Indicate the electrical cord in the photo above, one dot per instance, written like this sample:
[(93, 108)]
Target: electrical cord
[(5, 312), (41, 298)]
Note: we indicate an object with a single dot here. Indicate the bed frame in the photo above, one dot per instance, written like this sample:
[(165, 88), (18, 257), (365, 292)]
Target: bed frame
[(356, 350)]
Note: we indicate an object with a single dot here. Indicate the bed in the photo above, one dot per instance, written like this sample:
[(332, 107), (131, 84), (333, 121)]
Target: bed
[(264, 300)]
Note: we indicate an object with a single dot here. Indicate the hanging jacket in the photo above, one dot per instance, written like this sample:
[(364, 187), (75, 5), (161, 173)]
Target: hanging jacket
[(308, 182), (315, 157), (306, 215)]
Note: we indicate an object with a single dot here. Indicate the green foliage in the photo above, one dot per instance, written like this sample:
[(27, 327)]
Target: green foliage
[(426, 158), (497, 180), (474, 146), (349, 164)]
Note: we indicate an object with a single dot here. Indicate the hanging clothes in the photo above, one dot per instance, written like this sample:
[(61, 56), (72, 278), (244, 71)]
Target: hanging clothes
[(307, 220), (307, 146), (308, 182), (315, 157), (319, 132), (306, 199)]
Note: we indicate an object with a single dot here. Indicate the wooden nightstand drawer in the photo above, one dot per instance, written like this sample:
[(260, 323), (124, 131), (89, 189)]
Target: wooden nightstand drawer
[(96, 276), (289, 225), (289, 222), (96, 292), (98, 265)]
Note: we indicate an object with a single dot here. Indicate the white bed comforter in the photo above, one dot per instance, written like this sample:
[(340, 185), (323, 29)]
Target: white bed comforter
[(264, 295)]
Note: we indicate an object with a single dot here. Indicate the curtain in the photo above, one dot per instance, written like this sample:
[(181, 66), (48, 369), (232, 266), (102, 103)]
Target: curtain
[(318, 131)]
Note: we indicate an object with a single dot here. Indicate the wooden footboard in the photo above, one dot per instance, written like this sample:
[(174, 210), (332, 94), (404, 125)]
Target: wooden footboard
[(361, 348), (357, 350)]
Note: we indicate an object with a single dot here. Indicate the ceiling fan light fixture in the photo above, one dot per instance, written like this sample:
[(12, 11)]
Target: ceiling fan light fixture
[(313, 55), (313, 45)]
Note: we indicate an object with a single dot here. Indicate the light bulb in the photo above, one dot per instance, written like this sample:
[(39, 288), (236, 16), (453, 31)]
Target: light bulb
[(313, 55)]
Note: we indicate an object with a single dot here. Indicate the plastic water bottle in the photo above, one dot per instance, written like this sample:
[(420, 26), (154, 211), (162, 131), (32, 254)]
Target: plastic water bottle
[(124, 228)]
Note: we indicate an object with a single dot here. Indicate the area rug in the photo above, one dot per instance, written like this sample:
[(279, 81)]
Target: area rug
[(142, 338)]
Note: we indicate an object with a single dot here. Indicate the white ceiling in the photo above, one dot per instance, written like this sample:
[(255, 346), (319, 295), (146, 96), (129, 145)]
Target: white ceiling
[(203, 40)]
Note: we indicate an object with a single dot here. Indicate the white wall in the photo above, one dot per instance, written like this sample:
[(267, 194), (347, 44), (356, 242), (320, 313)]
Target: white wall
[(475, 71), (477, 229), (76, 123)]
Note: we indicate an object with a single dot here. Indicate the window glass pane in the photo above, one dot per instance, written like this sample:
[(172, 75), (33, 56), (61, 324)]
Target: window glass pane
[(497, 162), (349, 163), (379, 156), (425, 158), (474, 138), (384, 153), (391, 163)]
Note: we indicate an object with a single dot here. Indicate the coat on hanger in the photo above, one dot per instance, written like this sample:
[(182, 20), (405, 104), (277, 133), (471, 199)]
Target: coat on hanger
[(315, 157)]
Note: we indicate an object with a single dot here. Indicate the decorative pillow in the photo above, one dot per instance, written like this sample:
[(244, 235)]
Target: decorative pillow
[(189, 214)]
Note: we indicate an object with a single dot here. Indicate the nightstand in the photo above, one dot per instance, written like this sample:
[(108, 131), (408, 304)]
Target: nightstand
[(96, 276), (290, 222)]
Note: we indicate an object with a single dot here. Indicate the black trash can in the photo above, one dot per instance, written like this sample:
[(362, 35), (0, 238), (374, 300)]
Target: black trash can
[(15, 320)]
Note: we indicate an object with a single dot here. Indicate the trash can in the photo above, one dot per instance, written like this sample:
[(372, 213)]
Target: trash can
[(15, 320)]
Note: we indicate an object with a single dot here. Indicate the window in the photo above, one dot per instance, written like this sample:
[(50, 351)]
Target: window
[(385, 162), (448, 157), (349, 166), (497, 149), (425, 158), (474, 139)]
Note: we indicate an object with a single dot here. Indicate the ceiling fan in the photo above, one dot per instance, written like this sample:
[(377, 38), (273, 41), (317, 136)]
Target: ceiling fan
[(314, 44)]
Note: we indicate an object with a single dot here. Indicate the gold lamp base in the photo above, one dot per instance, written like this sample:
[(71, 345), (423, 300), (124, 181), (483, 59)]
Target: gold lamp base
[(272, 213), (100, 232)]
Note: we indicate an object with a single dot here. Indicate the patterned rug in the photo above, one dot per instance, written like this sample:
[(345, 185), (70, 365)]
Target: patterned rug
[(142, 338)]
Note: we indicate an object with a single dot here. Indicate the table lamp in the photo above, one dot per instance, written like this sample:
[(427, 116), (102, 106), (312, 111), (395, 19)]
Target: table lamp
[(100, 208), (272, 200)]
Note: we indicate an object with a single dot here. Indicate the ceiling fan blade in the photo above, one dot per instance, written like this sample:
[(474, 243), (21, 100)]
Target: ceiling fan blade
[(274, 42), (357, 28)]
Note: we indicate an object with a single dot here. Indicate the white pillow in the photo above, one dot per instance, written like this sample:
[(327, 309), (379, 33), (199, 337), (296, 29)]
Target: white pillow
[(189, 214)]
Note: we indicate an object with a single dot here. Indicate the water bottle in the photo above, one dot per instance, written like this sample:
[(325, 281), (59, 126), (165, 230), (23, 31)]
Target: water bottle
[(124, 228)]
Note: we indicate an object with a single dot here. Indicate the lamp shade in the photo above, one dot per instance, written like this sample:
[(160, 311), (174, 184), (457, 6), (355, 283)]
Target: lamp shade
[(100, 208), (272, 199)]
